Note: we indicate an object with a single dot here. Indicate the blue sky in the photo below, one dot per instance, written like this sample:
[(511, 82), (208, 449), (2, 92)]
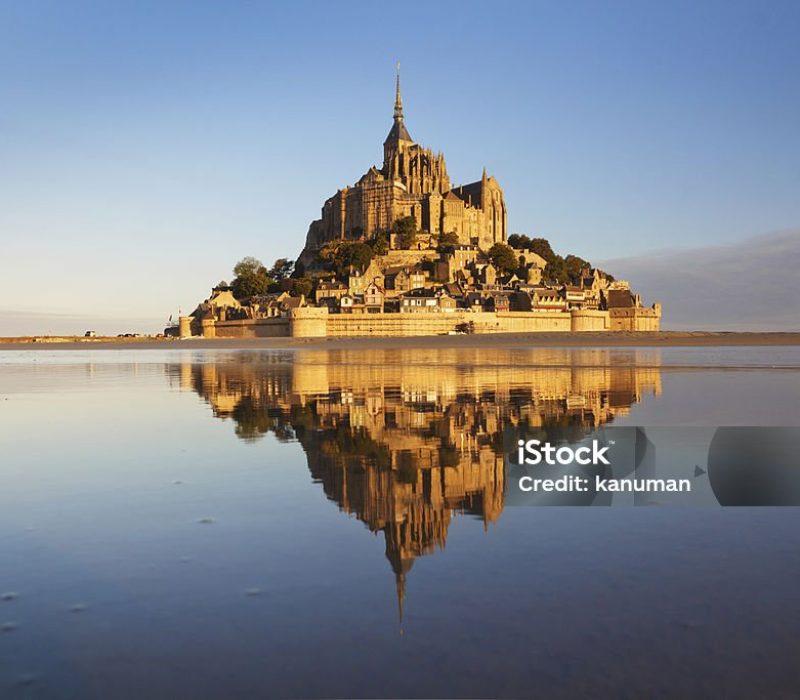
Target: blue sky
[(145, 147)]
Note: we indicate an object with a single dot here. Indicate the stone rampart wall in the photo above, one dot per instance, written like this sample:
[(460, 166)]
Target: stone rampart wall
[(313, 322)]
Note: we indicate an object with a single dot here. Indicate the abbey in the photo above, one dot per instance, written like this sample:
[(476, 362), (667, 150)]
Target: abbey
[(413, 182), (405, 252)]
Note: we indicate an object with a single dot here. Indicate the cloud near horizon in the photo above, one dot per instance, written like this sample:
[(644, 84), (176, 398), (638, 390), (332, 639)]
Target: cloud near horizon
[(750, 285)]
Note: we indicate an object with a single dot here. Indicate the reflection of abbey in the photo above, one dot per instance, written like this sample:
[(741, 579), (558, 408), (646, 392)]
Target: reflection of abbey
[(404, 251), (407, 440)]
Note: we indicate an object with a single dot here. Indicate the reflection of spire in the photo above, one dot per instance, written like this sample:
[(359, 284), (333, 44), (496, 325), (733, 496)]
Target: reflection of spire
[(400, 584), (401, 564)]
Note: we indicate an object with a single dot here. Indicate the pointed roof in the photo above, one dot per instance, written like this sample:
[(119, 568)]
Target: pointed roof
[(398, 130)]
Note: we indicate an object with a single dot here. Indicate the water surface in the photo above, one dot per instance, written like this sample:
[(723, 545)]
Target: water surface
[(332, 524)]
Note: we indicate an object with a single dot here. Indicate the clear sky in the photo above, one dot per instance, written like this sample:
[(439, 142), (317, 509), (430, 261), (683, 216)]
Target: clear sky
[(145, 147)]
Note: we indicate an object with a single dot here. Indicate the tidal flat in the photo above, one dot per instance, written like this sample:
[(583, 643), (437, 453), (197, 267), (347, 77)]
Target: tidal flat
[(235, 520)]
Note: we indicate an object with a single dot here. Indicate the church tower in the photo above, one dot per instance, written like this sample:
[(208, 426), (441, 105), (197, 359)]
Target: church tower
[(412, 182), (398, 140)]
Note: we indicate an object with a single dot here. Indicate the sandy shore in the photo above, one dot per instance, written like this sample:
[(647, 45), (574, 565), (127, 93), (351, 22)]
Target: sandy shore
[(500, 340)]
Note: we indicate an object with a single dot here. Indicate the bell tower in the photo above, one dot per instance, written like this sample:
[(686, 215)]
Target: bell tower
[(398, 140)]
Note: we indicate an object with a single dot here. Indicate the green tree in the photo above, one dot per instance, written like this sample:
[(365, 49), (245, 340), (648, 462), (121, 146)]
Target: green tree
[(559, 270), (541, 246), (448, 239), (380, 244), (406, 230), (503, 257), (556, 270), (247, 266), (357, 255), (340, 256), (574, 265), (301, 286), (519, 241), (251, 278), (281, 269)]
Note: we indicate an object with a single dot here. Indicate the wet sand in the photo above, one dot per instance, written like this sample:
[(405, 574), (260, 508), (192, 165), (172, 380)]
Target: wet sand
[(489, 340)]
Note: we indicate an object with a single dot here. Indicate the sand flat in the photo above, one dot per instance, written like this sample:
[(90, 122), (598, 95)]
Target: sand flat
[(488, 340)]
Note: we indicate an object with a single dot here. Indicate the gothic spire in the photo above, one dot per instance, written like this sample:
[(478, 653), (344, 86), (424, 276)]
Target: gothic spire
[(398, 100), (398, 132)]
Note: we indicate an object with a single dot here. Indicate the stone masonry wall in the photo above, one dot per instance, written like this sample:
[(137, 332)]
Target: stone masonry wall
[(313, 322)]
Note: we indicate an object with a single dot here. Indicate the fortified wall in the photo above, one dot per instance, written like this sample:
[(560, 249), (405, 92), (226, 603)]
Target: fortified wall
[(635, 318), (314, 322)]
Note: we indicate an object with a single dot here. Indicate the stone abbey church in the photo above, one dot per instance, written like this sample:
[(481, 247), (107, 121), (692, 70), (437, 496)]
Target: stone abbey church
[(412, 182), (430, 271)]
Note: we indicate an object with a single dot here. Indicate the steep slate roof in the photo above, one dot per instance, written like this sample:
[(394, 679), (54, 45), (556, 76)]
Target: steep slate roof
[(454, 289), (472, 192), (398, 132), (420, 292), (294, 302), (620, 299)]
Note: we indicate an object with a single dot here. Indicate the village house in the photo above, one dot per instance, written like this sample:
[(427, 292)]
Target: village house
[(497, 301), (510, 280), (447, 303), (290, 303), (330, 288), (484, 273), (473, 301), (404, 279), (221, 305), (358, 280), (548, 299), (373, 297), (533, 274), (574, 296), (456, 291), (427, 300), (454, 259), (626, 312), (331, 304), (346, 303), (266, 305)]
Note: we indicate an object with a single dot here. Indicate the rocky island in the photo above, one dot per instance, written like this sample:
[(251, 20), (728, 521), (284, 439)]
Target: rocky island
[(405, 252)]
